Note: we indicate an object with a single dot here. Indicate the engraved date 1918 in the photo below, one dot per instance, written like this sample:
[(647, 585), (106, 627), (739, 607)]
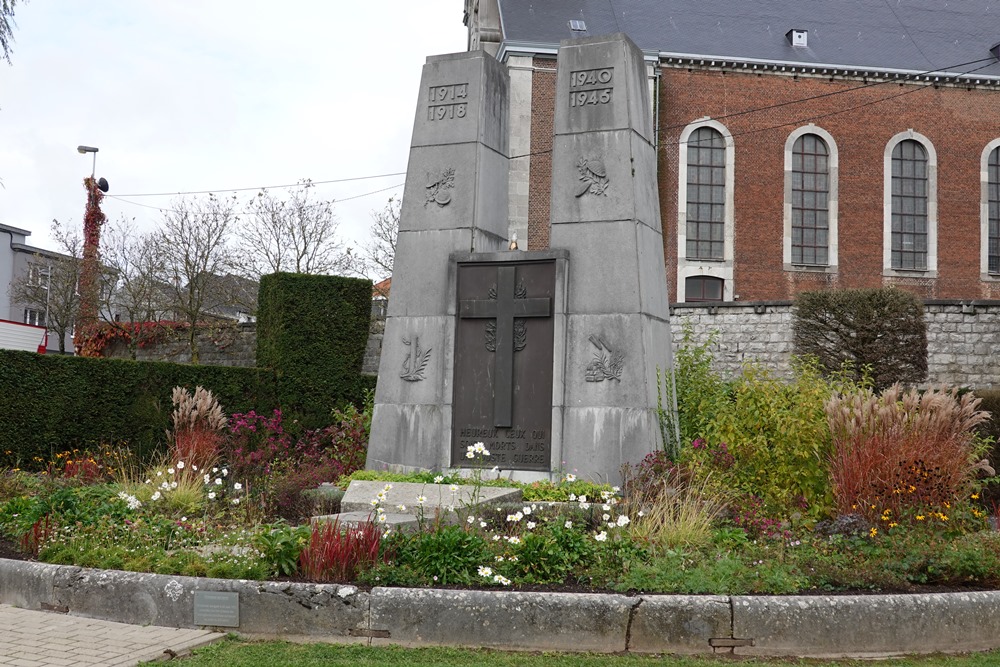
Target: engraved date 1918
[(447, 102)]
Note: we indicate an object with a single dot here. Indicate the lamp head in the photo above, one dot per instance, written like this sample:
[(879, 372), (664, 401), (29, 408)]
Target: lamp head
[(85, 149)]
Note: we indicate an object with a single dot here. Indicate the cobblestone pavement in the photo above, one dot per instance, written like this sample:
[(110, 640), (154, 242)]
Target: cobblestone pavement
[(37, 638)]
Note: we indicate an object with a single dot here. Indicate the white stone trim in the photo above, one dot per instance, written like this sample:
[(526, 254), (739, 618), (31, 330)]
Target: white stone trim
[(832, 200), (984, 213), (932, 207), (519, 172), (718, 269)]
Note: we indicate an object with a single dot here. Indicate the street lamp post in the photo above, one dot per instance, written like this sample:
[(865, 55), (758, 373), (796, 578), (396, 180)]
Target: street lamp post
[(93, 219)]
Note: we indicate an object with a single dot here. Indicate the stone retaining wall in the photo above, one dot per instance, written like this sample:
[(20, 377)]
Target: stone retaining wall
[(808, 626), (963, 338)]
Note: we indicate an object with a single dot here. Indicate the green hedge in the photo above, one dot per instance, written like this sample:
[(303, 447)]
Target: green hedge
[(312, 330), (51, 403)]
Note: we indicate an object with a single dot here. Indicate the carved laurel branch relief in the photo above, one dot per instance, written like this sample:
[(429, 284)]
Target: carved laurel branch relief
[(520, 328), (415, 362)]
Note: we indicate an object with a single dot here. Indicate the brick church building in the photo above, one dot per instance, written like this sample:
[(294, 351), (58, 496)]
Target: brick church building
[(801, 144)]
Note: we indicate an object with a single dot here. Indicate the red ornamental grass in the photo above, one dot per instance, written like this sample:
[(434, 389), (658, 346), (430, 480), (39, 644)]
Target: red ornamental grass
[(339, 554), (902, 451)]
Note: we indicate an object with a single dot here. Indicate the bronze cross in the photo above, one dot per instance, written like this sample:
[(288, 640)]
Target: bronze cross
[(504, 309)]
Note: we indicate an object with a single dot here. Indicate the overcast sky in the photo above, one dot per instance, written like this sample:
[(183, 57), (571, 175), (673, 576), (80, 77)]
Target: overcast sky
[(188, 95)]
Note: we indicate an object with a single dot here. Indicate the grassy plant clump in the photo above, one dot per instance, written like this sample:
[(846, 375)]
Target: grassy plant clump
[(903, 455), (338, 553)]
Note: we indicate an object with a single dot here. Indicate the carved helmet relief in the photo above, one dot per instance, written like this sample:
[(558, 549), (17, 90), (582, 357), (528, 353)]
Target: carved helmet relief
[(439, 186), (593, 177)]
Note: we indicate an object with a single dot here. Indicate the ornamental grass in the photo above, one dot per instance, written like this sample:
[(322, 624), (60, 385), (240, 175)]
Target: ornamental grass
[(903, 451)]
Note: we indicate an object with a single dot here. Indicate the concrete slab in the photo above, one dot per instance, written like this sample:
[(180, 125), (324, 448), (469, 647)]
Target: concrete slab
[(436, 497), (679, 624)]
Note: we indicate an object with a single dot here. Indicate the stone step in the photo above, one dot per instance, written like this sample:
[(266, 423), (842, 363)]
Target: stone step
[(436, 497), (393, 521)]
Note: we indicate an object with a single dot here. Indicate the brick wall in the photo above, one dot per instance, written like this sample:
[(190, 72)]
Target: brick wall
[(958, 120)]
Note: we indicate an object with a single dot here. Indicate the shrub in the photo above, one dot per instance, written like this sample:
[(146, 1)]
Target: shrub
[(672, 511), (878, 331), (448, 553), (899, 451), (701, 391), (777, 442)]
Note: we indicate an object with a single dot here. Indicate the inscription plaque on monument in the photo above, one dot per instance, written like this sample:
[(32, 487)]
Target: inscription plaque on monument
[(503, 363)]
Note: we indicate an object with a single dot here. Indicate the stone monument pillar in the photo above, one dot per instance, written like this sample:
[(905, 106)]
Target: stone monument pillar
[(454, 201), (605, 212)]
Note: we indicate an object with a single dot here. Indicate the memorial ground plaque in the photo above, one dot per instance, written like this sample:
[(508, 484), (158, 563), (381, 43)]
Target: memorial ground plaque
[(503, 363)]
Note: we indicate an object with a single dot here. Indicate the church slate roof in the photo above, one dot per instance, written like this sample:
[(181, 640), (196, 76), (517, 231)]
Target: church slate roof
[(946, 36)]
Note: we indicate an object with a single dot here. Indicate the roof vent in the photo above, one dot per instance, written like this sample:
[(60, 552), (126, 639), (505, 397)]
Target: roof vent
[(798, 37), (577, 26), (995, 50)]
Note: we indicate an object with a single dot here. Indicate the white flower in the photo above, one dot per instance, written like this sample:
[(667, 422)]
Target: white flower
[(173, 485), (194, 467), (218, 481), (159, 473), (584, 506), (570, 477), (225, 471), (401, 508), (641, 513), (496, 538), (470, 520), (421, 500), (238, 486), (165, 486), (211, 495), (470, 455), (531, 525), (155, 496), (207, 479), (236, 501), (184, 518), (526, 510), (380, 511), (482, 524), (170, 471), (582, 499), (514, 540), (438, 479), (623, 520), (515, 517), (373, 502), (499, 559), (605, 517), (512, 559), (180, 465), (149, 481), (601, 536), (568, 524), (615, 489), (606, 508), (572, 497), (605, 495), (387, 488), (485, 571), (500, 579), (381, 518), (215, 470), (453, 487)]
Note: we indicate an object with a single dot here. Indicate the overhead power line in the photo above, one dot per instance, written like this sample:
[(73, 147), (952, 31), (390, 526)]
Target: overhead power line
[(261, 187)]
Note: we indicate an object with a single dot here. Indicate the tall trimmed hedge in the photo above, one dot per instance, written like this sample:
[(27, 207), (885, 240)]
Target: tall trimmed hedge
[(51, 403), (882, 329), (312, 331)]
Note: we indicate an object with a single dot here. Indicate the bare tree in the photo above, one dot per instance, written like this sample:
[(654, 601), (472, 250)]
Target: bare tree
[(6, 28), (138, 298), (50, 284), (380, 251), (296, 235), (193, 243)]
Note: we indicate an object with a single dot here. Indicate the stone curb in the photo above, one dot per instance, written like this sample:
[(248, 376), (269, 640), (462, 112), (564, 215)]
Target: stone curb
[(806, 626)]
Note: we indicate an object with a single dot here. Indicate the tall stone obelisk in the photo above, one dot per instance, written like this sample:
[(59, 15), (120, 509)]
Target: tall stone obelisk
[(454, 201), (605, 212)]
